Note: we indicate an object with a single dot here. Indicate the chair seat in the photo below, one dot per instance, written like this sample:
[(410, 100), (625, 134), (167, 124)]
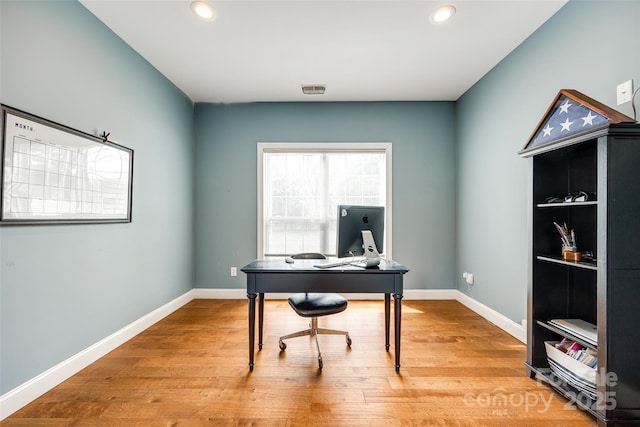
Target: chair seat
[(317, 304)]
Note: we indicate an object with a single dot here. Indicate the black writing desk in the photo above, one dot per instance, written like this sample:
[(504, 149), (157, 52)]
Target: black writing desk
[(278, 276)]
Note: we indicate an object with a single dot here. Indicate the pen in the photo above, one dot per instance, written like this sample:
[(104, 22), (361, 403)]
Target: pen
[(562, 235)]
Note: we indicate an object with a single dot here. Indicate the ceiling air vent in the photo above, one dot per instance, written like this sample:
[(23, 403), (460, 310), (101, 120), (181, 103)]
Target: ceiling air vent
[(313, 89)]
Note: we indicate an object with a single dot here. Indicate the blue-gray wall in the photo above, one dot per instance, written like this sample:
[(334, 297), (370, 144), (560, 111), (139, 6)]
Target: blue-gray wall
[(422, 134), (590, 46), (64, 288), (459, 185)]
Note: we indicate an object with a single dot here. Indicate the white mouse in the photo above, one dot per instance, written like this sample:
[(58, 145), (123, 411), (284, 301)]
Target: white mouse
[(289, 260)]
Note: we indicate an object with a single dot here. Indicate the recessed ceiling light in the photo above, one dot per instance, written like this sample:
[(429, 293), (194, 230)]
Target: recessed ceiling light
[(442, 14), (204, 10)]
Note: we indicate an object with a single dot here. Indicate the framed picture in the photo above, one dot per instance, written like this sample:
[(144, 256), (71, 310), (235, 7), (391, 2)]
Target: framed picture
[(52, 174)]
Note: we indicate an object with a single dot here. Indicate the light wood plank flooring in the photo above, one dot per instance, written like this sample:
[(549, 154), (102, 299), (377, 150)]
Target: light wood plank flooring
[(190, 369)]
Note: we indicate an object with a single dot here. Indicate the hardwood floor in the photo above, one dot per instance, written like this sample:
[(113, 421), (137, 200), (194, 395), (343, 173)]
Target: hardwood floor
[(190, 369)]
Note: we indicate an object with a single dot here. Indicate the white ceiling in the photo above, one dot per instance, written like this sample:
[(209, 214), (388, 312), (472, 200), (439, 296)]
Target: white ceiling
[(362, 50)]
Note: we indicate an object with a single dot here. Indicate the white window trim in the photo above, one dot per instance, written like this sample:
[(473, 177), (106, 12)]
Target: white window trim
[(274, 147)]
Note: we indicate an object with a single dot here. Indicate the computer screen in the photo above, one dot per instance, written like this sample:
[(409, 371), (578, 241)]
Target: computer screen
[(352, 220)]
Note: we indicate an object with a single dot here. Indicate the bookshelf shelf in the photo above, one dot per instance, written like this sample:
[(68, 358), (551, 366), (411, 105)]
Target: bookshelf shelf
[(566, 334), (604, 291), (567, 204), (571, 393), (591, 265)]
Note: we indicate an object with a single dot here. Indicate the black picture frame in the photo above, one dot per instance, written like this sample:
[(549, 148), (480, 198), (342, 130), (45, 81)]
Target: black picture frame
[(53, 174)]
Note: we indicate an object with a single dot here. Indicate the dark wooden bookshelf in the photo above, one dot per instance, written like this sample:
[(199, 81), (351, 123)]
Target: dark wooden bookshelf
[(603, 290)]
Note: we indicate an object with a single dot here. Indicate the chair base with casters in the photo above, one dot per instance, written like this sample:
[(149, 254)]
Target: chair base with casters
[(315, 305)]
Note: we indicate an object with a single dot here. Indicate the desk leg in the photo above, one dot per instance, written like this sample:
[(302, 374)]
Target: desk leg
[(252, 327), (397, 309), (260, 319), (387, 317)]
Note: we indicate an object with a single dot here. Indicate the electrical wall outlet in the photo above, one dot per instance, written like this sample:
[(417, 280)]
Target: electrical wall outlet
[(468, 277), (234, 271), (624, 92)]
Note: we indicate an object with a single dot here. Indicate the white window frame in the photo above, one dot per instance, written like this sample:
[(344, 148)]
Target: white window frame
[(315, 147)]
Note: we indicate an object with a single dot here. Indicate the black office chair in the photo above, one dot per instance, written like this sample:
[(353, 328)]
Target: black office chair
[(315, 305)]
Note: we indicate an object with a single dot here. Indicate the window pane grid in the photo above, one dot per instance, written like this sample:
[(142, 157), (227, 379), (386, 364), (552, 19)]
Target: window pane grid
[(302, 192)]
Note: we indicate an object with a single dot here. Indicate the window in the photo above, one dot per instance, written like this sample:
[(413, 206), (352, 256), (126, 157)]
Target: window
[(300, 186)]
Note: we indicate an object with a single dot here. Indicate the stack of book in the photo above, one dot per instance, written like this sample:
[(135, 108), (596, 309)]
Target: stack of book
[(576, 351), (588, 332), (563, 361), (570, 360)]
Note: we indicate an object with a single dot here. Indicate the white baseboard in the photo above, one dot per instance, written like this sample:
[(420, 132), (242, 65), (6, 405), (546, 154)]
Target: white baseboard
[(501, 321), (20, 396)]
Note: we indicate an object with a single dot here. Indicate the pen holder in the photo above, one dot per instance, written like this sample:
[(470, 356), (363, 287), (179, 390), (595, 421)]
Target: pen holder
[(570, 253)]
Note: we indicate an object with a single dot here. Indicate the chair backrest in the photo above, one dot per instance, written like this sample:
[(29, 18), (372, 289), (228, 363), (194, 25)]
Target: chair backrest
[(309, 255)]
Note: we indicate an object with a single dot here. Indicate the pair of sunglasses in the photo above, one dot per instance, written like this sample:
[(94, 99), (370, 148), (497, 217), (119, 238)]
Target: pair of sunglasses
[(580, 196)]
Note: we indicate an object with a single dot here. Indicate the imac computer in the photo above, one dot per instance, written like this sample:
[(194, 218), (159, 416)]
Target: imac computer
[(360, 232)]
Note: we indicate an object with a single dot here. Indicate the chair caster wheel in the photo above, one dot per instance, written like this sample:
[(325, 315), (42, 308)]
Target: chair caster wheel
[(320, 362), (348, 340), (282, 345)]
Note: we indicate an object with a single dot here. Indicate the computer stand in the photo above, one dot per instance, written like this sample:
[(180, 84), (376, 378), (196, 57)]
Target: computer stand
[(371, 254)]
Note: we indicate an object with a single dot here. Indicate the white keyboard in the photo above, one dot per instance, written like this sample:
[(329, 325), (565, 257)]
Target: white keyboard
[(335, 264), (355, 262)]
